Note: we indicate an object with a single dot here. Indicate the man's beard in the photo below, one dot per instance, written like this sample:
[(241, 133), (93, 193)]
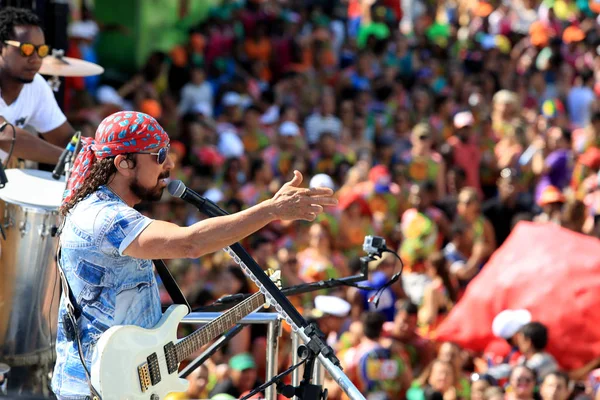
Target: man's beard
[(145, 194)]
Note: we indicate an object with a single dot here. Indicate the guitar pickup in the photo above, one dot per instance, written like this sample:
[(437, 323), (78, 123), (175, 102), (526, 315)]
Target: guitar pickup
[(144, 377), (154, 368), (171, 357)]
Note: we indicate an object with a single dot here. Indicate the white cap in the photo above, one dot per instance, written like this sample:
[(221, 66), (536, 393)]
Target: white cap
[(332, 305), (231, 99), (509, 322), (289, 128), (230, 145), (109, 95), (321, 180), (271, 116), (213, 194), (462, 119), (203, 108)]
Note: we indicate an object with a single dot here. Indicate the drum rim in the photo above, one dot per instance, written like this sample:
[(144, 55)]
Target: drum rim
[(33, 208), (36, 174)]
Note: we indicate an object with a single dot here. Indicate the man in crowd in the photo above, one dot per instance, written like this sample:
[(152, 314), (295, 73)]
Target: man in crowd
[(242, 377), (26, 98)]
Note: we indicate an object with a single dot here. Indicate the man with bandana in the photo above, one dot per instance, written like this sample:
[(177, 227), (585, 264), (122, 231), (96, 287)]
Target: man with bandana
[(107, 246)]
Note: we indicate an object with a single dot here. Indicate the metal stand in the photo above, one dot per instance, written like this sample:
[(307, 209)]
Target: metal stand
[(273, 322), (54, 81), (306, 389), (318, 372), (309, 334)]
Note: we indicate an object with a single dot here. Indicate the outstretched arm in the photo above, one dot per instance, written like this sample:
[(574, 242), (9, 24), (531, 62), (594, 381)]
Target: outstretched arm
[(166, 240)]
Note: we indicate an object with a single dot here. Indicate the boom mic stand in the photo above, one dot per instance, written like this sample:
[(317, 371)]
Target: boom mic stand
[(227, 302), (312, 337)]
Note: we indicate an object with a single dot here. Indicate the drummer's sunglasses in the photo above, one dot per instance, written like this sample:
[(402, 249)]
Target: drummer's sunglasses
[(27, 49), (161, 156)]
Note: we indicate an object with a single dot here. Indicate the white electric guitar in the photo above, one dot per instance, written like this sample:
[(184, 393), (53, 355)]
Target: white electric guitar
[(130, 362)]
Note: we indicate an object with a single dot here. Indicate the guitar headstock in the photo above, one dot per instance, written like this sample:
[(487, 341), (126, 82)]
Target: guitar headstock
[(275, 276)]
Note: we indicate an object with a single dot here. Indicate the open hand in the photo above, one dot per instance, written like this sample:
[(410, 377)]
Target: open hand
[(293, 202)]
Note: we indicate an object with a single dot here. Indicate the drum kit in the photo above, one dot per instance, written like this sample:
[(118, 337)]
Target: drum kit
[(29, 289)]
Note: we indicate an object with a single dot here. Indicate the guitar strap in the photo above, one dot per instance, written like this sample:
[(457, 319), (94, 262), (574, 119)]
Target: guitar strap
[(73, 313), (170, 284), (69, 320)]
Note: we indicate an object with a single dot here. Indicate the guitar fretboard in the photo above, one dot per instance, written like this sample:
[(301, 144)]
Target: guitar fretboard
[(208, 332)]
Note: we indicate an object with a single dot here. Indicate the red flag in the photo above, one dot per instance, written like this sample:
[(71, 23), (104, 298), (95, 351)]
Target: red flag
[(550, 271)]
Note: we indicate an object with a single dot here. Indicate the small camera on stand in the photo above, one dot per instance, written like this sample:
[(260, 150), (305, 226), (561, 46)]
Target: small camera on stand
[(374, 245)]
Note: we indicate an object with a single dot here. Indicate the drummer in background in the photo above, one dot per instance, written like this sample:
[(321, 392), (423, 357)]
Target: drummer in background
[(25, 97)]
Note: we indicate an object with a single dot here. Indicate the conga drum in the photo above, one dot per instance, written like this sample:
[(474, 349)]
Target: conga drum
[(29, 283)]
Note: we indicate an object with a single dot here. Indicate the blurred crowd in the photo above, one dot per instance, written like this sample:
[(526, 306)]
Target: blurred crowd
[(438, 124)]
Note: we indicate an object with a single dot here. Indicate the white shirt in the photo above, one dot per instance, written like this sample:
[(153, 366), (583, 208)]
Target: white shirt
[(35, 106), (317, 124), (194, 94)]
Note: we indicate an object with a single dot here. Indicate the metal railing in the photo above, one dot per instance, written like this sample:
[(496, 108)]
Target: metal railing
[(273, 322)]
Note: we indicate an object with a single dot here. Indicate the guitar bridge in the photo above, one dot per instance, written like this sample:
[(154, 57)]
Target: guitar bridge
[(144, 377)]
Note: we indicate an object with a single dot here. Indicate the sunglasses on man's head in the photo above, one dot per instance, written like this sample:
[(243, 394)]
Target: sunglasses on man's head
[(161, 155), (27, 49)]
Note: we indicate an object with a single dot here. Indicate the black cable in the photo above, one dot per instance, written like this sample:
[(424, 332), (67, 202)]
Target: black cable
[(273, 380), (375, 298), (12, 144)]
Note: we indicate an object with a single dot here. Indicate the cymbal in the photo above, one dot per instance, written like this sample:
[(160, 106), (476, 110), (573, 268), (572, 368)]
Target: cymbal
[(68, 66)]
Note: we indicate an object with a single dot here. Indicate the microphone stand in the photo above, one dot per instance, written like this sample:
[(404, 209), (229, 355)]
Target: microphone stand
[(315, 345), (227, 302), (71, 159)]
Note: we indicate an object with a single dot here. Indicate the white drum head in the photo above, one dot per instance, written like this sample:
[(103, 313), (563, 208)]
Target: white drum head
[(33, 187)]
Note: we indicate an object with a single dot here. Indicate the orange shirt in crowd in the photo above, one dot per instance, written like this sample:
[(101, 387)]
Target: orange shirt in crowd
[(258, 50)]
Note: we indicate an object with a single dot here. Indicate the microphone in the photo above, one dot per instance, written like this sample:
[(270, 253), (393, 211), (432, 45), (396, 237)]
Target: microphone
[(178, 189), (65, 156)]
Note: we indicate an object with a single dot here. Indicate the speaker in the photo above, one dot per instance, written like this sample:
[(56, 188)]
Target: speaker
[(18, 3)]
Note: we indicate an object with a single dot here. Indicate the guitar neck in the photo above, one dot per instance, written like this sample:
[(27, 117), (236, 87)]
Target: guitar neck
[(208, 332)]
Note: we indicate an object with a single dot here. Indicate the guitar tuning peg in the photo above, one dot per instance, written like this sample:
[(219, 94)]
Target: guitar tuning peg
[(275, 276)]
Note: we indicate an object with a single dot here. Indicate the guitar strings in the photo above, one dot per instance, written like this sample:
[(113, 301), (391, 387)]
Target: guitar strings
[(162, 356)]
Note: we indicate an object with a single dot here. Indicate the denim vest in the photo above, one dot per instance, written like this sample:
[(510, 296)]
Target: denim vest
[(110, 288)]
